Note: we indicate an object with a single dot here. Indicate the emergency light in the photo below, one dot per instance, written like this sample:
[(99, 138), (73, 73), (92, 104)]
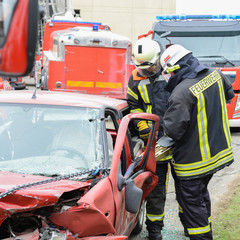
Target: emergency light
[(193, 17), (95, 27)]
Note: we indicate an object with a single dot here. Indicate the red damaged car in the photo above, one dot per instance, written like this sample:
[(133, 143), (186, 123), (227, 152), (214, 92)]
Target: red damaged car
[(71, 166)]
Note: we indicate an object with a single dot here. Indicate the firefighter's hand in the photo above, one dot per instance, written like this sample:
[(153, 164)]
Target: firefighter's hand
[(144, 130)]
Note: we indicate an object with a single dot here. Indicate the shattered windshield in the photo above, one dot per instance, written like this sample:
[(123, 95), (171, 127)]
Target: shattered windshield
[(49, 140), (206, 44)]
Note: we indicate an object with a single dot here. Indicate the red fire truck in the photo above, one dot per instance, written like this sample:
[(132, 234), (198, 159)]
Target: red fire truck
[(213, 39), (84, 57), (88, 59)]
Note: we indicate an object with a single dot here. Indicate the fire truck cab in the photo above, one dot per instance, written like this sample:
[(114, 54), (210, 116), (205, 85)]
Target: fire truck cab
[(213, 39), (87, 58)]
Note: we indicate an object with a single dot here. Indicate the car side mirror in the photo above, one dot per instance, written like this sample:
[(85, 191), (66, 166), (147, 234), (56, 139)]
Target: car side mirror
[(133, 196), (18, 36)]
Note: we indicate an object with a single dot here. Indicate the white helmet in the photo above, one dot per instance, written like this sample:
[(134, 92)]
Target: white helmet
[(172, 55), (146, 53)]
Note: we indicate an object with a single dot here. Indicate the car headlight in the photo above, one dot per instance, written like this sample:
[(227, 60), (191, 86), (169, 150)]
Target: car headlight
[(51, 234), (58, 236), (237, 106)]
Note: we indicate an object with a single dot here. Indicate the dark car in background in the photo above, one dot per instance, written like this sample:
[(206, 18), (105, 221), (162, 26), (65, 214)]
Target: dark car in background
[(17, 83)]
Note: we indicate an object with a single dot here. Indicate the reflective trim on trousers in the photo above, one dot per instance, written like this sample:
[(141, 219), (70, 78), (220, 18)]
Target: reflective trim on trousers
[(201, 230), (154, 218)]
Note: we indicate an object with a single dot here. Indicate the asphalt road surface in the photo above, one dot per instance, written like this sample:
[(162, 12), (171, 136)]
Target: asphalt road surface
[(220, 188)]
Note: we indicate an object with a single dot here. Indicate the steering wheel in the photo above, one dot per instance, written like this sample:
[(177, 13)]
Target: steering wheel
[(70, 153)]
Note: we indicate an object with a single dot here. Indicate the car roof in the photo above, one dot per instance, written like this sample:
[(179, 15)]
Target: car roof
[(60, 99)]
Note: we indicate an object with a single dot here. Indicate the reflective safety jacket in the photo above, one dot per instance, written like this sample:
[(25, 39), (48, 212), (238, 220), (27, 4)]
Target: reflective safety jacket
[(148, 95), (198, 122)]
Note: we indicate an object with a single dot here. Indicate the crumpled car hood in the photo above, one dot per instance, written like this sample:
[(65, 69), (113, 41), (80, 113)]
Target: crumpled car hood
[(32, 197), (89, 214)]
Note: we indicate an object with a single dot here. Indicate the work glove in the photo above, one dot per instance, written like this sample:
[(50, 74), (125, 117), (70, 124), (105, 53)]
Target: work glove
[(144, 131)]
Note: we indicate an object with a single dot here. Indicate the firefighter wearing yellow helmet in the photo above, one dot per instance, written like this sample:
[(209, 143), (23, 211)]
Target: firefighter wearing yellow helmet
[(146, 93), (146, 54), (197, 121)]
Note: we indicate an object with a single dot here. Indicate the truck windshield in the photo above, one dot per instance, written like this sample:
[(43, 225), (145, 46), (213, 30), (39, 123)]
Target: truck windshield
[(223, 45), (49, 140)]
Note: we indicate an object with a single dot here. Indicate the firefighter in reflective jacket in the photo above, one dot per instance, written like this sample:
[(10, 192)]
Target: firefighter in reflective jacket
[(197, 120), (146, 93)]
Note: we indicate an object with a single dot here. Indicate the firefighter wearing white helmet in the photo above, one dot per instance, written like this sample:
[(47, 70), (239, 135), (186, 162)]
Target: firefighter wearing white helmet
[(197, 121), (170, 57), (146, 93)]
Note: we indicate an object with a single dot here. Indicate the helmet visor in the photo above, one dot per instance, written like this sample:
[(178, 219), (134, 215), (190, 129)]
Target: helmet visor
[(147, 69)]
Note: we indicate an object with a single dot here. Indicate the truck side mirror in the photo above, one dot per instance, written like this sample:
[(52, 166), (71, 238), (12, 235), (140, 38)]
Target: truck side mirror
[(18, 36)]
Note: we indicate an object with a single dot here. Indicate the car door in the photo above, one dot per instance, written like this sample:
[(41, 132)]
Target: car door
[(131, 187)]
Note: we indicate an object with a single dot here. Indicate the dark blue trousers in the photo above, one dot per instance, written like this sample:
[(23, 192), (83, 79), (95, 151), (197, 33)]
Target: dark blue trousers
[(155, 201), (194, 200)]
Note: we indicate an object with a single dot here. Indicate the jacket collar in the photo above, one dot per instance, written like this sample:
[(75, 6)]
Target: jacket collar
[(189, 68)]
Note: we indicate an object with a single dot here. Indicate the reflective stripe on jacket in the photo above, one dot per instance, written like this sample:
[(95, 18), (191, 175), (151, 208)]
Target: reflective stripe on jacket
[(197, 119), (148, 95)]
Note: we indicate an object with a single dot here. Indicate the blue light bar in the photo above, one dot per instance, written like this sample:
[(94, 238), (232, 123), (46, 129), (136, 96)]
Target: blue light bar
[(194, 17)]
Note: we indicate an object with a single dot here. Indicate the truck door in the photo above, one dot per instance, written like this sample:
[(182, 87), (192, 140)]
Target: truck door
[(95, 70)]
